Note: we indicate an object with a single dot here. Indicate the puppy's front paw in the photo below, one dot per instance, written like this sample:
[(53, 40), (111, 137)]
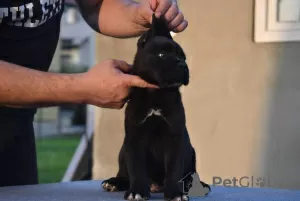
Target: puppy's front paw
[(180, 198), (137, 195), (115, 184), (172, 193)]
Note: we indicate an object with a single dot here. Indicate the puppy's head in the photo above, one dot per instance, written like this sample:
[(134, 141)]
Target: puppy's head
[(159, 59)]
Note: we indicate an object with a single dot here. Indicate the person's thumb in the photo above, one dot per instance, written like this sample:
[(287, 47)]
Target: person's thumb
[(148, 8), (135, 81), (122, 65)]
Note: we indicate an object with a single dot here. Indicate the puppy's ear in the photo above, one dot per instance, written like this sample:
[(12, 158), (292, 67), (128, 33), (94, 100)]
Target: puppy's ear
[(144, 38), (160, 27)]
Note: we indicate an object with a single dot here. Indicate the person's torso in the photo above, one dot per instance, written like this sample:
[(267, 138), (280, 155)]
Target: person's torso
[(29, 32)]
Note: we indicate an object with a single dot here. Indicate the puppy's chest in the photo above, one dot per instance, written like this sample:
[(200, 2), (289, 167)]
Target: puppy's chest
[(153, 116), (149, 110)]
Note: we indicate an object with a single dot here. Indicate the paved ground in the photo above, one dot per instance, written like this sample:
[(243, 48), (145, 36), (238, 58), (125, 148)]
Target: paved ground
[(91, 191)]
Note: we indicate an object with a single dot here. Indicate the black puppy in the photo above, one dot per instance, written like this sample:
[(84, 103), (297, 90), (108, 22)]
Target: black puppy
[(157, 152)]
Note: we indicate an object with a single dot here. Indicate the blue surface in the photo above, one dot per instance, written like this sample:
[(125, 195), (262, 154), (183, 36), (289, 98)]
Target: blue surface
[(91, 191)]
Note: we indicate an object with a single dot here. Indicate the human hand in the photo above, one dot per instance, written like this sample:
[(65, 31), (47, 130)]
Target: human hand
[(167, 8), (105, 85)]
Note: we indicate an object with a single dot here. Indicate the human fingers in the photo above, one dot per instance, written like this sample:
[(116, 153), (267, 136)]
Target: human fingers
[(135, 81), (115, 105), (181, 27), (176, 21), (172, 12), (119, 64), (163, 7)]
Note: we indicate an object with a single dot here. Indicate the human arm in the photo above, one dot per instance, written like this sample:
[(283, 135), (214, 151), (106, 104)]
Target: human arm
[(127, 18), (28, 87), (104, 85)]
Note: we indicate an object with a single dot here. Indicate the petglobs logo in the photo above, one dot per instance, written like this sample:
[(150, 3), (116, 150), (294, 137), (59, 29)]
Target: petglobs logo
[(245, 181), (196, 189)]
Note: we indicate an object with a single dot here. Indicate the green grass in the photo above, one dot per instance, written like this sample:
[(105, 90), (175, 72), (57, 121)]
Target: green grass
[(54, 155)]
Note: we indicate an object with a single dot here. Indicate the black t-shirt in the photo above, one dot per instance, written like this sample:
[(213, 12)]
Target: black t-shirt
[(29, 32)]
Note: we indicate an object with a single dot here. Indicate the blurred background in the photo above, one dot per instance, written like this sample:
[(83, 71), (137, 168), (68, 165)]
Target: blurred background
[(242, 104), (61, 132)]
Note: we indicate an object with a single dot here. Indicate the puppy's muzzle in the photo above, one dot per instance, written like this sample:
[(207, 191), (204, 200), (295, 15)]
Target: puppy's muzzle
[(182, 65), (185, 70)]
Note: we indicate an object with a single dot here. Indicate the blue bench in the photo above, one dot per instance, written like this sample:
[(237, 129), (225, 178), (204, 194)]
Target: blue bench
[(91, 191)]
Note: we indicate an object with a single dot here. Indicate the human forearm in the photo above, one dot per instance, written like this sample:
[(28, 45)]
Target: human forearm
[(115, 18), (27, 87)]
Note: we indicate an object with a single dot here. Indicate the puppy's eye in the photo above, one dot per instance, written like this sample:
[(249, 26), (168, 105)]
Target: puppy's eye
[(162, 54)]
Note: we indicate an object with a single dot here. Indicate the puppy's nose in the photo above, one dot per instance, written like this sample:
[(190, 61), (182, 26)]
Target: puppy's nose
[(182, 64)]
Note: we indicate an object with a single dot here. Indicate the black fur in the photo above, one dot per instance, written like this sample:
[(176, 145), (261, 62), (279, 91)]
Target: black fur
[(157, 152)]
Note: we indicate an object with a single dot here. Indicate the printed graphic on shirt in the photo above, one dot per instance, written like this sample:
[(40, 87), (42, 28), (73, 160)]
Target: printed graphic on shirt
[(22, 16)]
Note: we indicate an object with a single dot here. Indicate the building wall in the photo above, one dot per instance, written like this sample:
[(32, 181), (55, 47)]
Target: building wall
[(242, 104)]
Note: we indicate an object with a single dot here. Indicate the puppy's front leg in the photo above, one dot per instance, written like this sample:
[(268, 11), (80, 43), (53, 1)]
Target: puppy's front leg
[(136, 164), (174, 169)]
